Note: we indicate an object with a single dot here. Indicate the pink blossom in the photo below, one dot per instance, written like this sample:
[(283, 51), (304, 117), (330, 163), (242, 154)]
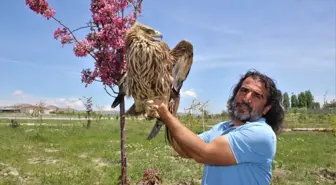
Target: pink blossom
[(62, 33), (41, 7), (104, 41), (59, 32), (49, 13), (66, 39), (87, 77), (83, 48)]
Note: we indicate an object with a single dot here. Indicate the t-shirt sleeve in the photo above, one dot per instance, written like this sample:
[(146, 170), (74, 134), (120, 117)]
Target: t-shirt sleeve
[(205, 136), (253, 143)]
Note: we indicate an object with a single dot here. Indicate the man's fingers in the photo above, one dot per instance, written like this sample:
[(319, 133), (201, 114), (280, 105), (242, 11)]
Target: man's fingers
[(155, 107), (152, 104)]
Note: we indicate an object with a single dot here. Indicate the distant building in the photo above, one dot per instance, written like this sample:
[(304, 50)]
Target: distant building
[(29, 109), (36, 109), (51, 109), (10, 109)]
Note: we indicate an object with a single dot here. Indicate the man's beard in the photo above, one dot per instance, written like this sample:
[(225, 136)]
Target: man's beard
[(244, 115)]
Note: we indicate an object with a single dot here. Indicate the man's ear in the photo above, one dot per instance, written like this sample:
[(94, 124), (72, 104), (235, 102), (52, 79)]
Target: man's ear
[(266, 109)]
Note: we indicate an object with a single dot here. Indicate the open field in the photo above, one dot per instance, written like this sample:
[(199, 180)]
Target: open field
[(59, 154)]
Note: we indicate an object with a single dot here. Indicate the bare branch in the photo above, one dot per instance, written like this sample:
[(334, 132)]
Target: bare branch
[(108, 92), (324, 97), (137, 6), (82, 28), (113, 90)]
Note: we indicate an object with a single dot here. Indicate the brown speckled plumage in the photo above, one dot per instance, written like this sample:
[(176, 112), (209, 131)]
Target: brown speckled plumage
[(153, 70), (148, 65)]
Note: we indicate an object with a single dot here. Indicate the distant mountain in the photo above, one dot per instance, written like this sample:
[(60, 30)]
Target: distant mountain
[(26, 105), (67, 110), (52, 107), (23, 105)]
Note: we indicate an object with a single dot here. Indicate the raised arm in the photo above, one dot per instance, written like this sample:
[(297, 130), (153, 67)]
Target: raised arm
[(179, 150), (217, 152)]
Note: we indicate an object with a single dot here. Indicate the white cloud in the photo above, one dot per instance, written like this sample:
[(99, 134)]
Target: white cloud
[(188, 93), (17, 92), (74, 103)]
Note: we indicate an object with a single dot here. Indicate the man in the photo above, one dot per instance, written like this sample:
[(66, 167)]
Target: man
[(240, 151)]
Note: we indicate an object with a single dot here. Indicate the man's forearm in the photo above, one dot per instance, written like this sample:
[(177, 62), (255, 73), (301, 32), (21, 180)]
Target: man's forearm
[(188, 141), (182, 152)]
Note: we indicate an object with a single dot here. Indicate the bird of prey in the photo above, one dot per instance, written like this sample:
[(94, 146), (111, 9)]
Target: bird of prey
[(153, 71)]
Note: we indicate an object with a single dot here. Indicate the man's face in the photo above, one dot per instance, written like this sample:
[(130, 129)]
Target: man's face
[(249, 103)]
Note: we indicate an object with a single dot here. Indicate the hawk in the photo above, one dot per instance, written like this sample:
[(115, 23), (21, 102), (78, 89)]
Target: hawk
[(153, 71)]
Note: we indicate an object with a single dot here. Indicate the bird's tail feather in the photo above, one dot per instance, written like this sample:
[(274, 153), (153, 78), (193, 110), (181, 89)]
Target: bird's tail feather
[(116, 101), (155, 129), (168, 136)]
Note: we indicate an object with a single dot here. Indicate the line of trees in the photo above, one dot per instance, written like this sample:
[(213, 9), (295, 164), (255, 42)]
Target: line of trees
[(301, 100), (304, 100)]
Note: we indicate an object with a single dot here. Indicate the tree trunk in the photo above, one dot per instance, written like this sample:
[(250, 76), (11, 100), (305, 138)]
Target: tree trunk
[(89, 120), (123, 141)]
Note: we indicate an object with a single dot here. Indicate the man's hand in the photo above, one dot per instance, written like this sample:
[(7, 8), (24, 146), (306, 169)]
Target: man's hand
[(160, 104)]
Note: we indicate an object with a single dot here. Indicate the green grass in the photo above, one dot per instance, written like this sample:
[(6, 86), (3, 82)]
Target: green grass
[(299, 155), (76, 155), (308, 120)]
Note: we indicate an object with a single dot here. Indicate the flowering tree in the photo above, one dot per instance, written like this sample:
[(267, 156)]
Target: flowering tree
[(104, 43)]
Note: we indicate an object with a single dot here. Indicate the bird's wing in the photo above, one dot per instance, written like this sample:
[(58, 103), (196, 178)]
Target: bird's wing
[(183, 57)]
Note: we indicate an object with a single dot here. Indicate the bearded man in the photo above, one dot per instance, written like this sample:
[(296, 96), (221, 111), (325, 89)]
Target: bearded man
[(239, 151)]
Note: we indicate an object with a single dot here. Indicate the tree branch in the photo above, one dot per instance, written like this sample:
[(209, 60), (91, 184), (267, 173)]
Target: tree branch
[(82, 28), (109, 92), (136, 9), (113, 90), (72, 35)]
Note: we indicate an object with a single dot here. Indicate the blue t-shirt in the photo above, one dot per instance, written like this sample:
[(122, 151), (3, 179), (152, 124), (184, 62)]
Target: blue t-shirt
[(254, 147)]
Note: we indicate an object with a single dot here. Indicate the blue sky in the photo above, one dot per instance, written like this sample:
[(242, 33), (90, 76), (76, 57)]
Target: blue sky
[(292, 41)]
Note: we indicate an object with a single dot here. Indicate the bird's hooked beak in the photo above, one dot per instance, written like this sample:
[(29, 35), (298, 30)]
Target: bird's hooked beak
[(158, 35)]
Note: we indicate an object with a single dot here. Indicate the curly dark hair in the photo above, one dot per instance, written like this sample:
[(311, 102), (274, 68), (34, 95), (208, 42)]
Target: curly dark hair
[(276, 114)]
